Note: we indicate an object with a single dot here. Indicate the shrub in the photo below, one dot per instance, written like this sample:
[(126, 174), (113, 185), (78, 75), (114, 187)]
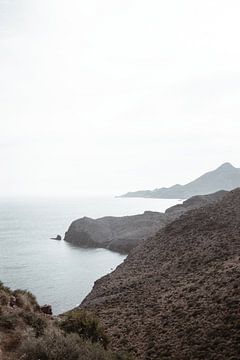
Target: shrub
[(25, 299), (54, 345), (13, 341), (4, 298), (5, 288), (122, 356), (37, 322), (86, 325), (8, 321)]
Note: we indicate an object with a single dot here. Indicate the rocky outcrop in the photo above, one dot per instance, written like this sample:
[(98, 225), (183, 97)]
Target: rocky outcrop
[(122, 234), (46, 309), (177, 295), (226, 177), (58, 237)]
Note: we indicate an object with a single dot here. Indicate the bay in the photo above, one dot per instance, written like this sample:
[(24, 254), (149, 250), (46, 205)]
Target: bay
[(58, 273)]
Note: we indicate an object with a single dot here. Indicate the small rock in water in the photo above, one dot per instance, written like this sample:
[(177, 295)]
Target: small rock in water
[(58, 237)]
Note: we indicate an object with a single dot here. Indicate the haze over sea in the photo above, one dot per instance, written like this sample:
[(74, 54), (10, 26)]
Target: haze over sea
[(56, 272)]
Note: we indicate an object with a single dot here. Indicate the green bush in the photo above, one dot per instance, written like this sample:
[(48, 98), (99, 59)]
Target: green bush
[(54, 345), (5, 288), (86, 325), (36, 321), (25, 299)]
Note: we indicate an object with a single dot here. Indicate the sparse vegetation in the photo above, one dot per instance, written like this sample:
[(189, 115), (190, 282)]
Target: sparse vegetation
[(13, 341), (28, 334), (8, 321), (177, 295), (86, 325), (36, 321), (4, 298), (4, 288), (56, 345), (53, 345), (25, 299)]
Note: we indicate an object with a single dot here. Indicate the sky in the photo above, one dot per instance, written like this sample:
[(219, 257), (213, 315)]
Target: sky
[(105, 97)]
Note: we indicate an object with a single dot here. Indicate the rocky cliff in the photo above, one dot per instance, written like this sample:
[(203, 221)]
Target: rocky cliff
[(226, 177), (115, 233), (122, 234), (177, 295)]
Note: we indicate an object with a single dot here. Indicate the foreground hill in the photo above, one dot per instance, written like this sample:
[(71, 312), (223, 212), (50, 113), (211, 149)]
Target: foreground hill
[(177, 295), (226, 177), (122, 234), (29, 332)]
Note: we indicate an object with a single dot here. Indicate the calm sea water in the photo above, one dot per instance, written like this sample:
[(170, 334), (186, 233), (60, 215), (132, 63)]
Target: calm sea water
[(57, 272)]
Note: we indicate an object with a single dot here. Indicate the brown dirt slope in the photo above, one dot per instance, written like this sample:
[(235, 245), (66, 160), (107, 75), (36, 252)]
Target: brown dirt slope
[(177, 296)]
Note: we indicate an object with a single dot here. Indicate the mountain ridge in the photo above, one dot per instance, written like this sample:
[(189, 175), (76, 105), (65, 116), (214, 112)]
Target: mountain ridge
[(225, 177)]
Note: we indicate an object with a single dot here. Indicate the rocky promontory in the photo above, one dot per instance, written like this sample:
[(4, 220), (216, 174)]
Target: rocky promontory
[(122, 234), (115, 233)]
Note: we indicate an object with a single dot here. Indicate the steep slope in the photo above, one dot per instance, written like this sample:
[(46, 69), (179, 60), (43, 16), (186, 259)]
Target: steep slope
[(122, 234), (226, 177), (177, 296), (195, 202)]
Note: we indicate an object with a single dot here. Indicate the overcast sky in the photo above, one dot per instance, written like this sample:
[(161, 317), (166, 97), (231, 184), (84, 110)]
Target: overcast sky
[(102, 97)]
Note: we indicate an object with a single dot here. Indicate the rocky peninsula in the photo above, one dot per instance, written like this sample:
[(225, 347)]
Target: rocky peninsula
[(122, 234)]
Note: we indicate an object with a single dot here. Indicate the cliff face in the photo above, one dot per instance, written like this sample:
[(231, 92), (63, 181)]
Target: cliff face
[(226, 177), (177, 295), (122, 234)]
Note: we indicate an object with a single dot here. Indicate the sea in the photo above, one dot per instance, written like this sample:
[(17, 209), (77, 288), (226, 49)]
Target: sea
[(56, 272)]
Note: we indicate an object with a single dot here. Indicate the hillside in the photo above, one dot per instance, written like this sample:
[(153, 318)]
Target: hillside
[(122, 234), (226, 177), (30, 332), (177, 295)]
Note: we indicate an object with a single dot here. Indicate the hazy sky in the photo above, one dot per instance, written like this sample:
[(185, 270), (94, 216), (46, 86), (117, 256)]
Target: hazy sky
[(102, 97)]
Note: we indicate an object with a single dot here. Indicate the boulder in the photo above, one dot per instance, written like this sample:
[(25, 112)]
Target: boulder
[(46, 309)]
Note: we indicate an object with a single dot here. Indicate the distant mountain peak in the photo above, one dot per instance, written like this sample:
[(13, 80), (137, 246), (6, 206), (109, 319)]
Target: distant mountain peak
[(225, 177), (227, 165)]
